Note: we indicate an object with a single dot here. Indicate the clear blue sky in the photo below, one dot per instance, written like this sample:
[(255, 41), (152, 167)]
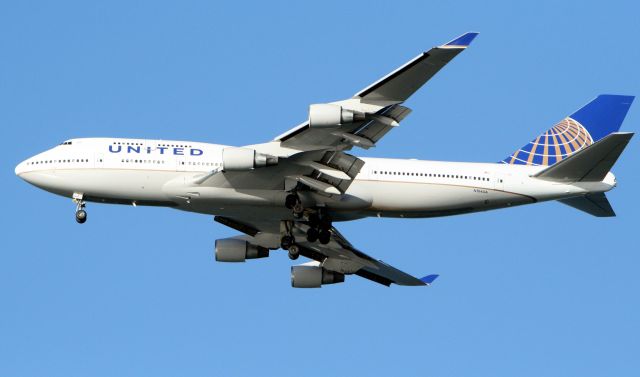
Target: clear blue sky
[(541, 290)]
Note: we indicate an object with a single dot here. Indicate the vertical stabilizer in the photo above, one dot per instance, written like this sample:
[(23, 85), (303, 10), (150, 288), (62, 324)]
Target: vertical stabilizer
[(597, 119)]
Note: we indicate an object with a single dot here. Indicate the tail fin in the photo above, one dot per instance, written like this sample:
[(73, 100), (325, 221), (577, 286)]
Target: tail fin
[(597, 119)]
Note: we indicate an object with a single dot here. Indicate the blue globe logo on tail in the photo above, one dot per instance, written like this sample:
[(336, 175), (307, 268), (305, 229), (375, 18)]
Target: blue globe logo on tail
[(561, 141), (586, 126)]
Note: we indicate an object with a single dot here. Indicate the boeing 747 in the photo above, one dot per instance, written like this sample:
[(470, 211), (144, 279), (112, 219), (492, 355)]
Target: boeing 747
[(289, 193)]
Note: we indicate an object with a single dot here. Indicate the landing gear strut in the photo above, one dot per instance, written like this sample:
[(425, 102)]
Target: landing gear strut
[(81, 213), (319, 228)]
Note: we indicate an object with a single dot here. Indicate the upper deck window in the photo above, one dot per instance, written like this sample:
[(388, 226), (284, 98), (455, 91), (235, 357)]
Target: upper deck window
[(66, 143)]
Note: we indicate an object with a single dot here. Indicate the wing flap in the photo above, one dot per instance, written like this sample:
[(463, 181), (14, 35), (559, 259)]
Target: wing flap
[(374, 130)]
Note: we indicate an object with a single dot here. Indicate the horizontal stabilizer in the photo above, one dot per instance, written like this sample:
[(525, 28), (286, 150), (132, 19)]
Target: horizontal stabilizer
[(590, 164), (594, 204)]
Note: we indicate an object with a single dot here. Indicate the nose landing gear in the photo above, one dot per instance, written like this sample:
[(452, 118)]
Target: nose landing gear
[(81, 213)]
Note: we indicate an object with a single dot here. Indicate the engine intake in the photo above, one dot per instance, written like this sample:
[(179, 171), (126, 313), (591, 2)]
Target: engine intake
[(328, 115), (313, 277), (241, 159), (237, 250)]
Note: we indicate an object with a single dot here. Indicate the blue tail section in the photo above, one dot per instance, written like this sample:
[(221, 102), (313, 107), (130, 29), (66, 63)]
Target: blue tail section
[(589, 124), (603, 115)]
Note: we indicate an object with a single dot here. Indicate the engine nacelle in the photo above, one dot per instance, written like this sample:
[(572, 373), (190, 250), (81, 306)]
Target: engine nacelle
[(239, 159), (329, 115), (237, 250), (313, 277)]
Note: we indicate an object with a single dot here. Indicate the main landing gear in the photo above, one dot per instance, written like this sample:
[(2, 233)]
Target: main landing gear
[(319, 229), (318, 221), (81, 213), (289, 243)]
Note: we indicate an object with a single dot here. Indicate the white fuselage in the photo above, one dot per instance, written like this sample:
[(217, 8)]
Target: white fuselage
[(156, 172)]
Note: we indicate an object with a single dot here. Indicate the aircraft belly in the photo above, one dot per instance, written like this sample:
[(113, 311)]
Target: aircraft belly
[(384, 199)]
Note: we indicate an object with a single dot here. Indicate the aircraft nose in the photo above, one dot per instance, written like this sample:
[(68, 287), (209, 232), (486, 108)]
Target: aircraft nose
[(20, 168), (35, 171)]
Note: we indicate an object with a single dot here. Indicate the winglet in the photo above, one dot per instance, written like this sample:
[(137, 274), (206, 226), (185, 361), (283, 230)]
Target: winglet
[(462, 41), (429, 279)]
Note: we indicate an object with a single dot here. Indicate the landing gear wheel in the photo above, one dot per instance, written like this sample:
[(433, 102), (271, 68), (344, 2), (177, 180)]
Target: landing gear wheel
[(325, 223), (294, 252), (287, 242), (81, 216), (291, 200), (312, 235), (324, 236)]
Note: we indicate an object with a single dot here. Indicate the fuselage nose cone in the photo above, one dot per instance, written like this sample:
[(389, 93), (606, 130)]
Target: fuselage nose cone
[(20, 168)]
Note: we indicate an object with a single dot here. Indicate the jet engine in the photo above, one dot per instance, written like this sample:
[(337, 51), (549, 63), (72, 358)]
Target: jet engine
[(240, 159), (329, 115), (313, 276), (237, 250)]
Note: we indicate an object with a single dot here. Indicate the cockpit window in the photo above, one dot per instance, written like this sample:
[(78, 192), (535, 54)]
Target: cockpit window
[(66, 143)]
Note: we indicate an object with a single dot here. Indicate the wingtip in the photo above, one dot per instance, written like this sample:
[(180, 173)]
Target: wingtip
[(464, 40), (429, 279)]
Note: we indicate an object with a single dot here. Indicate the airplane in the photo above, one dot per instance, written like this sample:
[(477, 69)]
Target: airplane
[(289, 192)]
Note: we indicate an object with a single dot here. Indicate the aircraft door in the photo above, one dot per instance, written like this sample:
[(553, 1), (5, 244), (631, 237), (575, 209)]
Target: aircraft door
[(99, 160), (498, 182), (181, 164)]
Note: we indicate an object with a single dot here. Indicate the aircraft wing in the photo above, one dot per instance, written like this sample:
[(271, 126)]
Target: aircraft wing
[(365, 118), (314, 153), (338, 255)]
